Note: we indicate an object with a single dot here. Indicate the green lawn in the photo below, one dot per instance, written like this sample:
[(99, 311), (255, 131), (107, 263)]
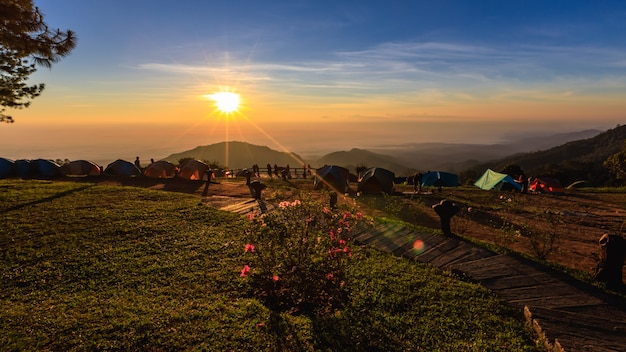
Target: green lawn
[(87, 267)]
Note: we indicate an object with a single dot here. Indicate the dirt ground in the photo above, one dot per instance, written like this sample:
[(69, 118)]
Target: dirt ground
[(575, 221), (565, 228)]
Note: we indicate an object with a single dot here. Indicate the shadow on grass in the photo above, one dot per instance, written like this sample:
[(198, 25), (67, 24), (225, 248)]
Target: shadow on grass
[(47, 199)]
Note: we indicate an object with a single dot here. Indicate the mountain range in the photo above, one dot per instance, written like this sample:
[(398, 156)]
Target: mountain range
[(409, 158)]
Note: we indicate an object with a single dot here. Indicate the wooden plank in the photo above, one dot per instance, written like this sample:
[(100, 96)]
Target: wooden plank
[(504, 280), (598, 323), (561, 301), (438, 249), (458, 254), (390, 236), (365, 237)]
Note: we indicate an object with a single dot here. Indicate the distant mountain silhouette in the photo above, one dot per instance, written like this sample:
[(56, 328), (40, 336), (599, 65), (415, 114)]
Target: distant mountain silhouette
[(572, 161), (457, 157), (591, 147), (241, 155)]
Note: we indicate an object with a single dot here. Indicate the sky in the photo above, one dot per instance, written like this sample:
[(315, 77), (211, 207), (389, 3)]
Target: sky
[(319, 76)]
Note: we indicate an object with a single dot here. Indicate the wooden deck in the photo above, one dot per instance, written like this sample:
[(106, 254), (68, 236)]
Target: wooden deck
[(568, 314)]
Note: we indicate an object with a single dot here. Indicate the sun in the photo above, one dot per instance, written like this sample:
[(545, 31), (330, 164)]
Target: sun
[(226, 102)]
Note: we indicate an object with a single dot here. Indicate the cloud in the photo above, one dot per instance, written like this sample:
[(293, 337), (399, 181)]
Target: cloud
[(427, 72)]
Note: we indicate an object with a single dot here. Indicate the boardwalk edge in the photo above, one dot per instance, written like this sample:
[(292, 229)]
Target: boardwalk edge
[(541, 335)]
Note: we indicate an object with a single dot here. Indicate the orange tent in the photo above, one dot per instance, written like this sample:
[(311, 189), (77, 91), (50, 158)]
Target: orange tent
[(546, 185), (161, 169), (193, 170), (81, 168)]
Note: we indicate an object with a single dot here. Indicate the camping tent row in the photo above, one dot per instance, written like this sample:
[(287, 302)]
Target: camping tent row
[(440, 179), (375, 180), (336, 178), (190, 169), (503, 182)]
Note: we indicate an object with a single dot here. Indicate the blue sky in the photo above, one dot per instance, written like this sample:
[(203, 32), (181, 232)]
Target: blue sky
[(404, 71)]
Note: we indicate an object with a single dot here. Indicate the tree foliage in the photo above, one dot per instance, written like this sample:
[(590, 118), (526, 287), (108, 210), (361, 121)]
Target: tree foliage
[(26, 42), (616, 164)]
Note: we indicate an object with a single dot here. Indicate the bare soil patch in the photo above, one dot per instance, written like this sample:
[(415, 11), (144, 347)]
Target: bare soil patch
[(575, 221)]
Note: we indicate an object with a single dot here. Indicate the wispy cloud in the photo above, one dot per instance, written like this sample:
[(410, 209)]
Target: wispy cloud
[(462, 71)]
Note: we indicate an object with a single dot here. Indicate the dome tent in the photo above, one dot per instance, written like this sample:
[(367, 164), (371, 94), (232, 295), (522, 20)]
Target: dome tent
[(376, 180), (546, 185), (333, 177), (122, 168), (7, 168), (161, 169), (80, 168), (193, 170)]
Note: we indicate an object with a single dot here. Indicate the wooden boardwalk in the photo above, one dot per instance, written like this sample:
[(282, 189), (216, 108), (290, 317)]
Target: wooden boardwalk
[(568, 314)]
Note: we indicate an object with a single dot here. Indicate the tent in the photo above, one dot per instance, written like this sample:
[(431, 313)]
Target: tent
[(333, 177), (122, 168), (80, 168), (376, 180), (47, 168), (193, 170), (545, 185), (495, 180), (24, 168), (440, 178), (7, 168), (161, 169)]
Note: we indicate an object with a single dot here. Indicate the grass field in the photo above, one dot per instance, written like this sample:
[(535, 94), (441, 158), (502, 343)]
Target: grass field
[(98, 267)]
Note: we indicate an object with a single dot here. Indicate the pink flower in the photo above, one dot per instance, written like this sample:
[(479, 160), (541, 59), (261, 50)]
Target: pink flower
[(326, 210), (329, 276), (249, 248), (332, 234), (295, 202), (348, 251), (359, 215), (342, 242), (283, 204), (347, 215), (245, 271), (250, 216), (275, 278), (334, 252)]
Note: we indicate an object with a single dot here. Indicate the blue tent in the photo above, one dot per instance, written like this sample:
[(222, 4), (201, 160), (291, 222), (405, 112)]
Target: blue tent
[(333, 177), (495, 180), (7, 168), (47, 168), (440, 178), (24, 168), (122, 168)]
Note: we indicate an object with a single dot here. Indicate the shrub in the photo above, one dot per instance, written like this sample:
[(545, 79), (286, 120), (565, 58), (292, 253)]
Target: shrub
[(297, 255)]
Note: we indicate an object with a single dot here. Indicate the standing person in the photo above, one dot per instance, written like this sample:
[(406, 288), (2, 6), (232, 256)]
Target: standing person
[(269, 170), (138, 163), (417, 182), (276, 170), (209, 176)]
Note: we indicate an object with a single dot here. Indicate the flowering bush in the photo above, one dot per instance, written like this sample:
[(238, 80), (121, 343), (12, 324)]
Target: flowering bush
[(297, 255)]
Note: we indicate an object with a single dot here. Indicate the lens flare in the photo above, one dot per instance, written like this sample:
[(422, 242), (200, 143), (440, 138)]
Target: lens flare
[(419, 246)]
